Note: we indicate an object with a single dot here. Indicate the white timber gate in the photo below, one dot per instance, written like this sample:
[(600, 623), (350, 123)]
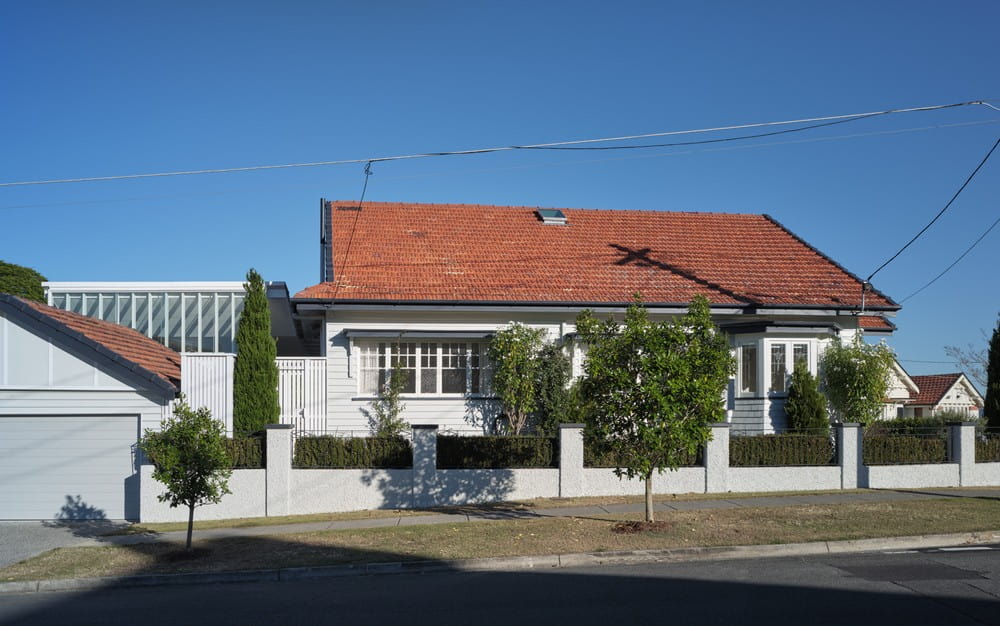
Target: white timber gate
[(302, 393)]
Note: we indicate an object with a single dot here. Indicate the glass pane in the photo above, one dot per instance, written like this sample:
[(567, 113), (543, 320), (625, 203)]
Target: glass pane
[(800, 352), (453, 367), (76, 303), (125, 310), (90, 305), (405, 354), (190, 326), (748, 369), (225, 307), (156, 328), (207, 322), (59, 300), (109, 311), (779, 369), (142, 313), (428, 368), (174, 322)]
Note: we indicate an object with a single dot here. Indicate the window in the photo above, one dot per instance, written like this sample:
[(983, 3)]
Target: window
[(784, 356), (748, 369), (430, 368)]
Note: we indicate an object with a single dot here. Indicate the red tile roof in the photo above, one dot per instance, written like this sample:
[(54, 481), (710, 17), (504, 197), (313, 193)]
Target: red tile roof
[(875, 322), (932, 388), (130, 344), (472, 253)]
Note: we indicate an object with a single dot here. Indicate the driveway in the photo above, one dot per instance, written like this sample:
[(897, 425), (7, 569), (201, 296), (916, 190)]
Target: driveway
[(23, 540)]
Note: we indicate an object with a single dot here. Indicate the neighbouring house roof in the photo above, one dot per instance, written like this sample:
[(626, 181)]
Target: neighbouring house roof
[(933, 387), (129, 348), (395, 252)]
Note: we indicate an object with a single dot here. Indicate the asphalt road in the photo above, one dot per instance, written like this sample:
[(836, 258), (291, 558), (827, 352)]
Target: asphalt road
[(928, 587)]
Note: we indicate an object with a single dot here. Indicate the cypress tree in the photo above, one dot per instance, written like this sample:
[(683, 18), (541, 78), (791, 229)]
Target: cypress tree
[(255, 374), (18, 280), (992, 408), (805, 406)]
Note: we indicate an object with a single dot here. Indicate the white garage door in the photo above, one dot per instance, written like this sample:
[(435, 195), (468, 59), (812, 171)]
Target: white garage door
[(66, 466)]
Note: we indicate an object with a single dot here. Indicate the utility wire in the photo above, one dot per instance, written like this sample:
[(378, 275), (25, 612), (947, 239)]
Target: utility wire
[(354, 226), (954, 263), (940, 213), (495, 149)]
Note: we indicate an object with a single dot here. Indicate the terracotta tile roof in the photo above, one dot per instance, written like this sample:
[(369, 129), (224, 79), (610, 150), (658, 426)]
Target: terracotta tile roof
[(932, 388), (875, 322), (130, 344), (476, 253)]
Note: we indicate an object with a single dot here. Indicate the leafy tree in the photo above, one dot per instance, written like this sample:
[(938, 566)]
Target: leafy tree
[(190, 458), (385, 417), (805, 406), (513, 352), (653, 389), (552, 402), (991, 409), (21, 281), (856, 378), (255, 373)]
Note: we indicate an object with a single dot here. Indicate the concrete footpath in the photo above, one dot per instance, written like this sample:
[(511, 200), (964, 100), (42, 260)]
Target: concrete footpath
[(89, 534)]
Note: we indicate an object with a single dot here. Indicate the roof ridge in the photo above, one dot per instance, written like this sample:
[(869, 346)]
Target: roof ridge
[(401, 204)]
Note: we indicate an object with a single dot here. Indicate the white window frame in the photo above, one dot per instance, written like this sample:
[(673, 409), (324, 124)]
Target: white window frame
[(740, 345), (370, 350), (789, 344)]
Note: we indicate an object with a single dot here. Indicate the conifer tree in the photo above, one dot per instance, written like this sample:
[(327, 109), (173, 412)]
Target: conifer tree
[(992, 407), (805, 406), (255, 374)]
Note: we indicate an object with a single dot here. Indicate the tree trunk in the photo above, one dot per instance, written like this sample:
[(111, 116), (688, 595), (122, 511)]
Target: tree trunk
[(649, 496), (190, 525)]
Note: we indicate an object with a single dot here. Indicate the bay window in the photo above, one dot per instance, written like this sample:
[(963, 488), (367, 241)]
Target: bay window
[(429, 368), (784, 355)]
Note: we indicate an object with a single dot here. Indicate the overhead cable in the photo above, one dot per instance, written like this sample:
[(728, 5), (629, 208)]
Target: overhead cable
[(954, 263)]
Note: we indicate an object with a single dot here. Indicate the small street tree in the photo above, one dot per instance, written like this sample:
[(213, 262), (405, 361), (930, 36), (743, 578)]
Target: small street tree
[(856, 378), (805, 406), (189, 457), (513, 351), (991, 408), (21, 281), (385, 418), (653, 389), (255, 373)]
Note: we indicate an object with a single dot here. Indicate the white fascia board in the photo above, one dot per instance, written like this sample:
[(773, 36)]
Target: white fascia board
[(970, 389), (499, 308), (169, 286)]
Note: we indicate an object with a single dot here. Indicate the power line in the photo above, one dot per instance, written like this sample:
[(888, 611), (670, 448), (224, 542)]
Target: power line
[(493, 149), (954, 263), (940, 213)]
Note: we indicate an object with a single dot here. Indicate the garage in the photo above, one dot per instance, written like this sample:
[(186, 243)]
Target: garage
[(75, 395), (66, 466)]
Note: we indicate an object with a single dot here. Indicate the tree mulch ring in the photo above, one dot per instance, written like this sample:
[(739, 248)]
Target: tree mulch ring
[(632, 528), (186, 555)]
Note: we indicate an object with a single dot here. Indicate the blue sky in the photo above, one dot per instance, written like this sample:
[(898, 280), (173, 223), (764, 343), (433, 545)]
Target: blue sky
[(96, 89)]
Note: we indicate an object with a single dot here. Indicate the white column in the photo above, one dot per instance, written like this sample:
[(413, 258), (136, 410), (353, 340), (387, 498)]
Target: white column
[(425, 483), (279, 468), (849, 454), (717, 459), (570, 460), (962, 450)]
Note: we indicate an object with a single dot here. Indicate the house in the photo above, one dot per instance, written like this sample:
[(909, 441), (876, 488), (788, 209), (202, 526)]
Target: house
[(75, 395), (938, 393), (430, 283)]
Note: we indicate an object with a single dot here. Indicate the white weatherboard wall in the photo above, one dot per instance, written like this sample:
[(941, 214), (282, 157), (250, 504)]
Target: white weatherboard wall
[(67, 431)]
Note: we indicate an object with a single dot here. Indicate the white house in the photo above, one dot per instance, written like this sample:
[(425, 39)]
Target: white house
[(944, 392), (432, 282)]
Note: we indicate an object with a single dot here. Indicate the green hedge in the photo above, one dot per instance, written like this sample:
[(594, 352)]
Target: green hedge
[(594, 456), (883, 449), (496, 452), (988, 449), (246, 452), (782, 449), (357, 452)]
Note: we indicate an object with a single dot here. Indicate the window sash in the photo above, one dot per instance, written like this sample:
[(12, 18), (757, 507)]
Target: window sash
[(748, 369), (431, 368)]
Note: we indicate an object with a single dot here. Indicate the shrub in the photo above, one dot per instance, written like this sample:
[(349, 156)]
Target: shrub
[(552, 402), (255, 373), (917, 448), (988, 448), (358, 452), (21, 281), (856, 379), (595, 455), (782, 449), (496, 452), (246, 452), (513, 351), (806, 406)]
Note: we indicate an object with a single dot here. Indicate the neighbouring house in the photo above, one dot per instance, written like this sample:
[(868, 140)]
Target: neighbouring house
[(926, 396), (75, 395), (430, 283)]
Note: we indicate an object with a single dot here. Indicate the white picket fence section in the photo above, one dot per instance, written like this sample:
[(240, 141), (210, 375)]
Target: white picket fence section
[(207, 381), (302, 393)]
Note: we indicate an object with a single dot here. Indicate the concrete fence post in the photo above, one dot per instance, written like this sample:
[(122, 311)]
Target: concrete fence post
[(278, 482), (962, 450), (717, 459), (570, 460), (425, 465), (849, 454)]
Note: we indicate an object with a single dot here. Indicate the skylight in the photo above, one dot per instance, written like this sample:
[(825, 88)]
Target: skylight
[(552, 216)]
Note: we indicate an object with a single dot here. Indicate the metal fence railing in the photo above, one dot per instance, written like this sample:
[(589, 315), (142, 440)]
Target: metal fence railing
[(988, 445)]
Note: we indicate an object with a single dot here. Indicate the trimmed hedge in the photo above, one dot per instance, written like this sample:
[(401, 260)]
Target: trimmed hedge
[(497, 452), (246, 452), (988, 449), (352, 453), (594, 456), (882, 449), (781, 449)]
